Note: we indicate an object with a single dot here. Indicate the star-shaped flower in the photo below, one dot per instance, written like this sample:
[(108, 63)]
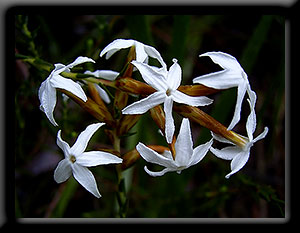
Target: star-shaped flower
[(47, 90), (77, 160), (143, 52), (166, 85), (232, 75), (186, 156), (239, 156)]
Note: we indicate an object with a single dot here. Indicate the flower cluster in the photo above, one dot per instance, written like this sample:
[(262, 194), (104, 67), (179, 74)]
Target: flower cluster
[(160, 94)]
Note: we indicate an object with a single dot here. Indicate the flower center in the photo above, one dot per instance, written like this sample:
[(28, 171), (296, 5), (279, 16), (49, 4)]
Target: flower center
[(168, 92), (72, 158)]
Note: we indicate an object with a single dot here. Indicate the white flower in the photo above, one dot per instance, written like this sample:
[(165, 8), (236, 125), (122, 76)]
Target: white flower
[(232, 75), (47, 91), (186, 156), (76, 160), (239, 156), (166, 85), (142, 51), (105, 74)]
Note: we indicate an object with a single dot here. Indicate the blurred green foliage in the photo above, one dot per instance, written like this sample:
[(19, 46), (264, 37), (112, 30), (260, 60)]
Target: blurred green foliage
[(258, 190)]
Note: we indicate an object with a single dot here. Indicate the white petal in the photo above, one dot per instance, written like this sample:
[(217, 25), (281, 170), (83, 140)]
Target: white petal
[(227, 153), (251, 120), (84, 138), (105, 74), (220, 138), (95, 158), (174, 75), (145, 104), (115, 46), (225, 60), (141, 55), (79, 60), (160, 173), (199, 153), (261, 136), (63, 171), (152, 156), (238, 162), (151, 76), (169, 122), (152, 52), (47, 96), (63, 145), (238, 106), (85, 177), (184, 144), (182, 98), (58, 81), (102, 93)]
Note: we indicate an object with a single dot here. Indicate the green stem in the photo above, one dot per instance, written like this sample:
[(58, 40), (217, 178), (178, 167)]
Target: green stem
[(121, 192)]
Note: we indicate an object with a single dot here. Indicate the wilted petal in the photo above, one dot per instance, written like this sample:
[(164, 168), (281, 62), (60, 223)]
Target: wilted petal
[(145, 104), (184, 144), (169, 122), (85, 177), (95, 158), (84, 138), (63, 171), (58, 81)]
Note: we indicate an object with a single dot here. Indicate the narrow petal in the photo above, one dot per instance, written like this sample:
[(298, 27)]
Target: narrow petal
[(238, 162), (145, 104), (262, 135), (141, 55), (63, 171), (220, 138), (184, 144), (152, 156), (105, 74), (95, 158), (79, 60), (182, 98), (152, 52), (238, 106), (174, 75), (169, 122), (160, 173), (47, 96), (63, 145), (85, 177), (199, 153), (151, 76), (115, 46), (84, 138), (225, 60), (227, 153), (102, 93), (251, 120)]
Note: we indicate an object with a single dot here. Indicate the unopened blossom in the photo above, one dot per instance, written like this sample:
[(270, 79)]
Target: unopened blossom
[(143, 52), (47, 90), (185, 157), (77, 160), (240, 155), (232, 75), (166, 85), (104, 74)]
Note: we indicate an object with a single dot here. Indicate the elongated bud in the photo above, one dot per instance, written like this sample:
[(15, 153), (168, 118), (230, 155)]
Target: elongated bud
[(120, 102), (130, 57), (133, 86), (197, 90), (126, 123), (100, 112), (197, 115), (94, 94)]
